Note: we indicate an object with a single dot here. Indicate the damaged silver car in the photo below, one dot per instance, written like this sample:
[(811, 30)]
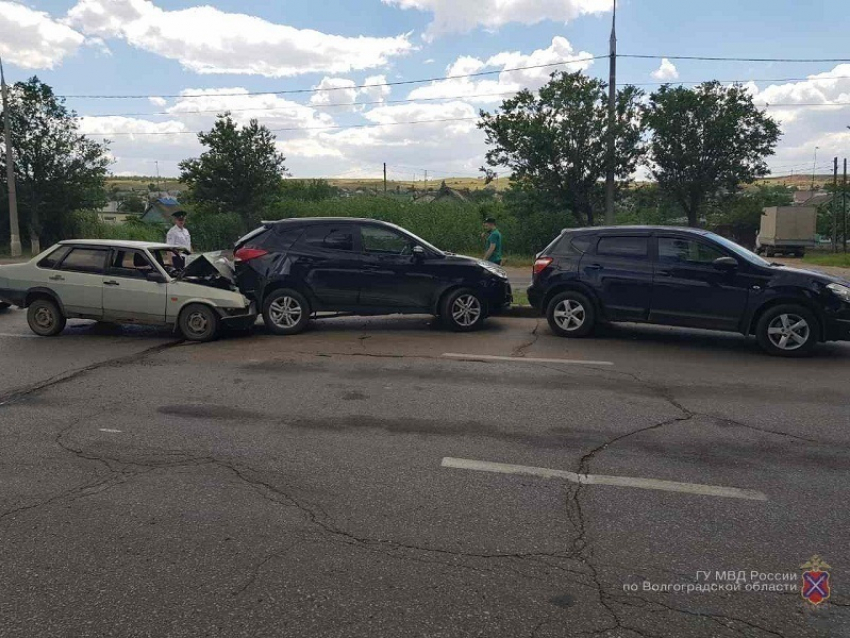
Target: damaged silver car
[(127, 282)]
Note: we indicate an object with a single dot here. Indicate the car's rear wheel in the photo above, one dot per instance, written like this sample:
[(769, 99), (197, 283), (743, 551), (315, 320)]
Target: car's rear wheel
[(286, 312), (571, 314), (199, 323), (463, 310), (45, 318), (788, 331)]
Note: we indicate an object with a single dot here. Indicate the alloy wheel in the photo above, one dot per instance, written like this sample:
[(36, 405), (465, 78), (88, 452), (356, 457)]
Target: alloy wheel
[(570, 315), (789, 332), (285, 312), (466, 310)]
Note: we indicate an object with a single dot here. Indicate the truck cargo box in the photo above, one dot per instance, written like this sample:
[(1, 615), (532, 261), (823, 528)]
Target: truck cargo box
[(788, 226)]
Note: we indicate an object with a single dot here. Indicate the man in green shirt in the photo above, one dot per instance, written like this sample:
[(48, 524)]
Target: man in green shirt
[(493, 241)]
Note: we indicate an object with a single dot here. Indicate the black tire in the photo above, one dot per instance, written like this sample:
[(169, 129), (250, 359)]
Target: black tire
[(286, 312), (571, 314), (4, 306), (198, 322), (463, 310), (779, 331), (45, 318)]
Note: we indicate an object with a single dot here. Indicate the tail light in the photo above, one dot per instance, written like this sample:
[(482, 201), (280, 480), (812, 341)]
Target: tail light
[(540, 265), (247, 254)]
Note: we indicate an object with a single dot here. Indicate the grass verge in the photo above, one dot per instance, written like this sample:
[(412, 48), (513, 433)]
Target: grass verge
[(836, 260)]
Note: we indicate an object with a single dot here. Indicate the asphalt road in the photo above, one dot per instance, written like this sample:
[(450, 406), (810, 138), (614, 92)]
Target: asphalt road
[(336, 483)]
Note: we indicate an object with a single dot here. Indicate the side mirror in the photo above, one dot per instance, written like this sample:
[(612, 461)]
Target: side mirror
[(155, 277), (418, 252), (725, 263)]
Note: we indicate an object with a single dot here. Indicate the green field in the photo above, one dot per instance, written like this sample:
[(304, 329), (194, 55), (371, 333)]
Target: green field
[(837, 260)]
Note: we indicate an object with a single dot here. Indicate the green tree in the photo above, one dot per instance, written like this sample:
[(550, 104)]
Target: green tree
[(57, 169), (706, 142), (240, 172), (554, 143)]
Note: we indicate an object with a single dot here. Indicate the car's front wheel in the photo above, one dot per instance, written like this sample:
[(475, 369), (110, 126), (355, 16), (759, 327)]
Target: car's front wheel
[(199, 323), (788, 331), (571, 314), (45, 318), (286, 312), (463, 310)]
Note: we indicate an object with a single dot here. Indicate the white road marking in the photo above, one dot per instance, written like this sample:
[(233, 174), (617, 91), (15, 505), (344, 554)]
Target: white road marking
[(11, 336), (599, 479), (110, 431), (490, 357)]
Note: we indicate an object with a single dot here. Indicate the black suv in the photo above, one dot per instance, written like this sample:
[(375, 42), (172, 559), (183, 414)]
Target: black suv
[(685, 277), (295, 268)]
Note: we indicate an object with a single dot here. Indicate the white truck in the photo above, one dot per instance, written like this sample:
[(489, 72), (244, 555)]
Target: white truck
[(787, 229)]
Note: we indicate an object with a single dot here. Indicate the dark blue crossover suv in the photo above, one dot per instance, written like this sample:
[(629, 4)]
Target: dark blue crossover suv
[(295, 268), (685, 277)]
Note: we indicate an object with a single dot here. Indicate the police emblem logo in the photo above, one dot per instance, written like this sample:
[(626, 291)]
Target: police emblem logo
[(815, 580)]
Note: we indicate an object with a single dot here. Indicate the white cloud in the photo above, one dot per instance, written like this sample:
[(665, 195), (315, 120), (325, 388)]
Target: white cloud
[(493, 89), (809, 125), (667, 71), (375, 89), (337, 92), (459, 16), (32, 39), (206, 40), (158, 101)]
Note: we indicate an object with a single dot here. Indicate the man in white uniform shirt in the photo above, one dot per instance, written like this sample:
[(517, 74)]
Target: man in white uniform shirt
[(179, 235)]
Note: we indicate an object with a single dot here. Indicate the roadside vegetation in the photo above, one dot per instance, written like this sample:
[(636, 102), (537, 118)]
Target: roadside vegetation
[(552, 143), (835, 260)]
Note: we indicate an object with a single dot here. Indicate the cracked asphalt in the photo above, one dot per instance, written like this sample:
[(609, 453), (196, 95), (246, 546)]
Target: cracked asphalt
[(292, 486)]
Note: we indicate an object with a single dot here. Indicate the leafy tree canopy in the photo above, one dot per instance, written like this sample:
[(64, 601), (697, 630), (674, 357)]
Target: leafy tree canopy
[(706, 142), (240, 172), (554, 143)]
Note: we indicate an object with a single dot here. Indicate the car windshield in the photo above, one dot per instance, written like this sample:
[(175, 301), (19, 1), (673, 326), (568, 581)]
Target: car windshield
[(739, 250), (172, 259), (419, 240)]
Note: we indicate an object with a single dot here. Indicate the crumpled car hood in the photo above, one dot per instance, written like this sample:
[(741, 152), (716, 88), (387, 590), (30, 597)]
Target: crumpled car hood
[(211, 269)]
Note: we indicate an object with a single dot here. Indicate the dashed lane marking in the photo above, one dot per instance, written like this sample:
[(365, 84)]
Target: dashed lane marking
[(600, 479)]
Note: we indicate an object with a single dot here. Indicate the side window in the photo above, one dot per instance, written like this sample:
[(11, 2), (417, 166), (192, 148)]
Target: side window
[(634, 247), (90, 260), (582, 243), (675, 250), (326, 237), (382, 241), (130, 263), (53, 258)]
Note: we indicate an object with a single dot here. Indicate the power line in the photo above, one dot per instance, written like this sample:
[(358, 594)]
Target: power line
[(299, 128), (730, 59), (341, 88)]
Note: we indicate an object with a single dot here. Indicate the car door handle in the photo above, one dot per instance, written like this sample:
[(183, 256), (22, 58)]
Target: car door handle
[(593, 267), (111, 283), (57, 278)]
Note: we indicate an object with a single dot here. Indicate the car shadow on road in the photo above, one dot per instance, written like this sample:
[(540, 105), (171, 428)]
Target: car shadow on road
[(702, 340)]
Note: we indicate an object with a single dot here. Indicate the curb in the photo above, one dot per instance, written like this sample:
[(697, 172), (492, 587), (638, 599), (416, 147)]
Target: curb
[(519, 311)]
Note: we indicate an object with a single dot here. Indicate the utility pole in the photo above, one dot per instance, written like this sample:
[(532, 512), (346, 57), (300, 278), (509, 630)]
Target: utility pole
[(814, 167), (835, 206), (612, 120), (385, 178), (844, 204), (14, 230), (426, 180)]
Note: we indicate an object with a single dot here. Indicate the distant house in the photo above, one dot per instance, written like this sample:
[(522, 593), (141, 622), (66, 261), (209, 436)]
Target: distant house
[(112, 214), (159, 210)]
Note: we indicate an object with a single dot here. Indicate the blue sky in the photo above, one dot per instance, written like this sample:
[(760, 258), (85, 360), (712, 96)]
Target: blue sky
[(246, 47)]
